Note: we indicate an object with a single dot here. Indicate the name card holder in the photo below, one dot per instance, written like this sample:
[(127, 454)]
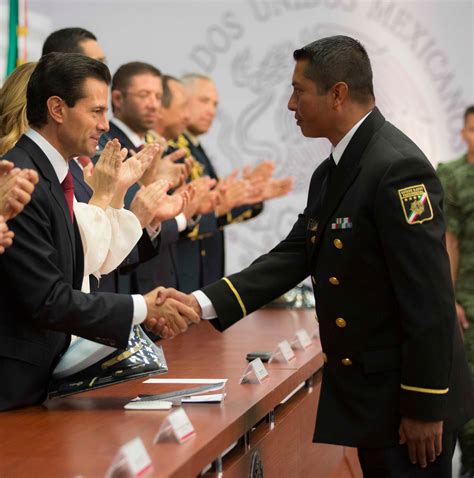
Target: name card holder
[(302, 340), (255, 373), (283, 352), (176, 425), (132, 461)]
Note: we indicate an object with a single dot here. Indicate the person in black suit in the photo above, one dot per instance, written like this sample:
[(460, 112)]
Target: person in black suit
[(79, 40), (200, 251), (395, 379), (136, 101), (41, 274)]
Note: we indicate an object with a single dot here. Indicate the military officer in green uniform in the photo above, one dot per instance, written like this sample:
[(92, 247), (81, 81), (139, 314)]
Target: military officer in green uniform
[(457, 178)]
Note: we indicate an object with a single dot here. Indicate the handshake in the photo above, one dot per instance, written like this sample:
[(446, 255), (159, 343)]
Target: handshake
[(169, 312)]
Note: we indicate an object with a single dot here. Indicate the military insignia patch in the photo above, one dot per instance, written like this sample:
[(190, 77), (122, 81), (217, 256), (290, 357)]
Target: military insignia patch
[(416, 204)]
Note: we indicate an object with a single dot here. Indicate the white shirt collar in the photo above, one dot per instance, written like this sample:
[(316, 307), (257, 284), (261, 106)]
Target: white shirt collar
[(193, 138), (56, 159), (340, 147), (131, 135)]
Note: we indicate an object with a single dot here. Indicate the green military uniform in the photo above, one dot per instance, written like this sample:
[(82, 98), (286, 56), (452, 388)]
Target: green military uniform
[(457, 178)]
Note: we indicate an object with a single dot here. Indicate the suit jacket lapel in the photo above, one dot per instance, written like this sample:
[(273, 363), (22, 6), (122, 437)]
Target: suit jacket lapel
[(81, 188), (347, 170), (46, 169)]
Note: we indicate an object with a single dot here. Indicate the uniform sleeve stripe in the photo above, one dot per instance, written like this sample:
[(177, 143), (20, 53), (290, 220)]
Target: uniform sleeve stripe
[(237, 296), (434, 391)]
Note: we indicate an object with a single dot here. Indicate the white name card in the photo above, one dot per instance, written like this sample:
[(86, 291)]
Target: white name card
[(178, 424), (303, 339), (255, 372), (283, 350), (131, 461)]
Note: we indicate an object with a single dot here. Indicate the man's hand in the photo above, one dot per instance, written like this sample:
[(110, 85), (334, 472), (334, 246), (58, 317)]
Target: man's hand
[(16, 188), (462, 319), (163, 294), (103, 178), (204, 199), (167, 318), (146, 201), (171, 205), (167, 168), (423, 439), (6, 236)]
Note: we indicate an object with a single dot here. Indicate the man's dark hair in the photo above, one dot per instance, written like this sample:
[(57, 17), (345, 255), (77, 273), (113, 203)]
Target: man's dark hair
[(167, 95), (63, 75), (469, 111), (125, 73), (67, 40), (339, 58)]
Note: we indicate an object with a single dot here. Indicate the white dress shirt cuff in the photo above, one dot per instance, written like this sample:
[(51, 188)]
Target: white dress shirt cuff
[(139, 309), (182, 222), (207, 309), (152, 233)]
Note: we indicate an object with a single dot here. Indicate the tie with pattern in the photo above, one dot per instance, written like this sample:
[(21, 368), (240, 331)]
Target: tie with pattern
[(68, 188)]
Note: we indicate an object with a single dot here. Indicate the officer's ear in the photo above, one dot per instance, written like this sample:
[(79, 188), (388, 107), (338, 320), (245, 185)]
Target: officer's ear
[(339, 93)]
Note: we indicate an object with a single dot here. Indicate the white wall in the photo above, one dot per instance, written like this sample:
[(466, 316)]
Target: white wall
[(422, 55)]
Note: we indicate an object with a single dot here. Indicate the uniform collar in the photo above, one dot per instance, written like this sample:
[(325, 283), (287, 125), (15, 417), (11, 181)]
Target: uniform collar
[(56, 159), (193, 138), (338, 150)]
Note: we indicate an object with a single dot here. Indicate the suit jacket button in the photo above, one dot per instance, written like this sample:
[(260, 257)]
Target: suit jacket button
[(338, 244), (346, 361), (203, 252), (334, 280), (340, 322), (313, 239)]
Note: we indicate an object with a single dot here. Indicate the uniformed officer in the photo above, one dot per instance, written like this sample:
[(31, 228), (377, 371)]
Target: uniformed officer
[(396, 384), (457, 178)]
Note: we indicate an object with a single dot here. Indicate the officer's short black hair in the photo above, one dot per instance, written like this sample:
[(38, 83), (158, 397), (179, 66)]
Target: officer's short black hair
[(339, 58), (167, 97), (67, 40), (63, 75), (469, 111)]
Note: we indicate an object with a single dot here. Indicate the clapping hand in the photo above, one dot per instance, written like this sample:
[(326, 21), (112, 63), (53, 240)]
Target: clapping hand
[(167, 168), (103, 178), (16, 188), (147, 200), (6, 236)]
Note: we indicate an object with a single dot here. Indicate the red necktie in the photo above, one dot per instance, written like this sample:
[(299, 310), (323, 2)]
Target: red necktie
[(68, 188)]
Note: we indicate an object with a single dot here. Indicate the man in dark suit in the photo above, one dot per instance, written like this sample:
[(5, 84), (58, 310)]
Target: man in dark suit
[(79, 40), (395, 379), (41, 274), (200, 251)]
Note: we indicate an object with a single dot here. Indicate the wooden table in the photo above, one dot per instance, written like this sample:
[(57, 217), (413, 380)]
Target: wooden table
[(81, 434)]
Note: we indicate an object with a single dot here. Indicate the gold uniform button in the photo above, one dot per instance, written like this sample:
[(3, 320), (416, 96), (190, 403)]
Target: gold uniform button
[(334, 280), (338, 244), (313, 239), (203, 252), (346, 361), (325, 358), (340, 322)]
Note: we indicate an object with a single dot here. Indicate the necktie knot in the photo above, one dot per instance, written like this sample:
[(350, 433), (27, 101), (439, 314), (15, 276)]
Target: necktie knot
[(68, 188)]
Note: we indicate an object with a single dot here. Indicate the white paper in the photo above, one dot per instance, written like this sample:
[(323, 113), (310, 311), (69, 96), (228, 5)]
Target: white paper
[(186, 380)]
